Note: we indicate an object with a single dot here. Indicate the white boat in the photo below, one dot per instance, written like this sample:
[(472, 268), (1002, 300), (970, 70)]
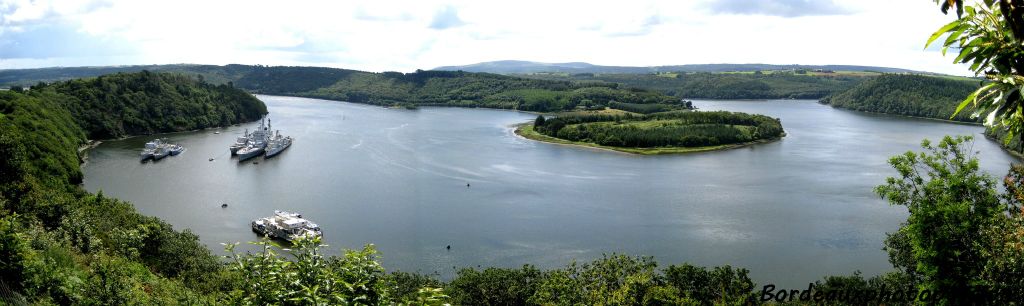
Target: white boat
[(149, 152), (278, 144), (145, 155), (261, 136), (161, 152), (286, 225), (175, 149), (249, 151), (258, 138), (239, 142)]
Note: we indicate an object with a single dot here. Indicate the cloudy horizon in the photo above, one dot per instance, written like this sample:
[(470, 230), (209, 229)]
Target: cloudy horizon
[(405, 36)]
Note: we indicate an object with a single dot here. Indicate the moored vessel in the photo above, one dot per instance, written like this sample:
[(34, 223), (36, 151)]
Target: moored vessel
[(161, 152), (239, 142), (278, 144), (260, 141), (175, 149), (249, 151), (149, 150), (286, 225), (145, 155)]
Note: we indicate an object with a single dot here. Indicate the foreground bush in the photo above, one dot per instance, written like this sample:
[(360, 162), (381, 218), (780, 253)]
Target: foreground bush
[(307, 277)]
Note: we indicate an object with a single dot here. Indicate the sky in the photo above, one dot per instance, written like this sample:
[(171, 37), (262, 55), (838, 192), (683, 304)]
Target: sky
[(383, 35)]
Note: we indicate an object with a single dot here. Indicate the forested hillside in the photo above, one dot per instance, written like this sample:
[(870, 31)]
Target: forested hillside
[(774, 85), (908, 95), (919, 96), (443, 88), (552, 92), (122, 104), (62, 245), (513, 66), (211, 73)]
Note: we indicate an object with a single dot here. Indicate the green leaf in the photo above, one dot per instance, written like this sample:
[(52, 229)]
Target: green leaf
[(966, 101), (965, 55), (952, 38), (943, 29)]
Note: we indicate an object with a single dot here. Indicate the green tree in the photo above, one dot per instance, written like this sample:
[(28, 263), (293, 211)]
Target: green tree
[(14, 254), (611, 280), (1005, 271), (720, 285), (307, 277), (990, 36), (495, 286), (408, 286), (952, 207)]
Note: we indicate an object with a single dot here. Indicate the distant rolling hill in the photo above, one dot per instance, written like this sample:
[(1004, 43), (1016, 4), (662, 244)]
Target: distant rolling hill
[(705, 81), (519, 67), (420, 88), (212, 73)]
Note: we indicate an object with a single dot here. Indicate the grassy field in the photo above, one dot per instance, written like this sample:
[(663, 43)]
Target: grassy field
[(526, 131)]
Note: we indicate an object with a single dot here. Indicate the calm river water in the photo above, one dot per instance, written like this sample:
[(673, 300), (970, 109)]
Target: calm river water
[(791, 211)]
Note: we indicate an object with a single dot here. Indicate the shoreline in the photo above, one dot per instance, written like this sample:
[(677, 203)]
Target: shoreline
[(1015, 154), (906, 116), (83, 156), (1018, 155), (525, 130)]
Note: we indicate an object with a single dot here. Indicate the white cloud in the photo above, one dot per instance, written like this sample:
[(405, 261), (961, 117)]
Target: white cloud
[(784, 8), (447, 17), (409, 35)]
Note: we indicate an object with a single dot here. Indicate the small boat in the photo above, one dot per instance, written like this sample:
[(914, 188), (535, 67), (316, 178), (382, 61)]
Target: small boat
[(217, 132), (175, 149)]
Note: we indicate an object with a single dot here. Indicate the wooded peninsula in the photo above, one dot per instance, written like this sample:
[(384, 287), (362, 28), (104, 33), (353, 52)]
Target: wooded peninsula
[(655, 133)]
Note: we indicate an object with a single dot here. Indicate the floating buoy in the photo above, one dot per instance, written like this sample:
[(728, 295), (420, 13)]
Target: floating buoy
[(467, 185), (449, 247), (255, 163)]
